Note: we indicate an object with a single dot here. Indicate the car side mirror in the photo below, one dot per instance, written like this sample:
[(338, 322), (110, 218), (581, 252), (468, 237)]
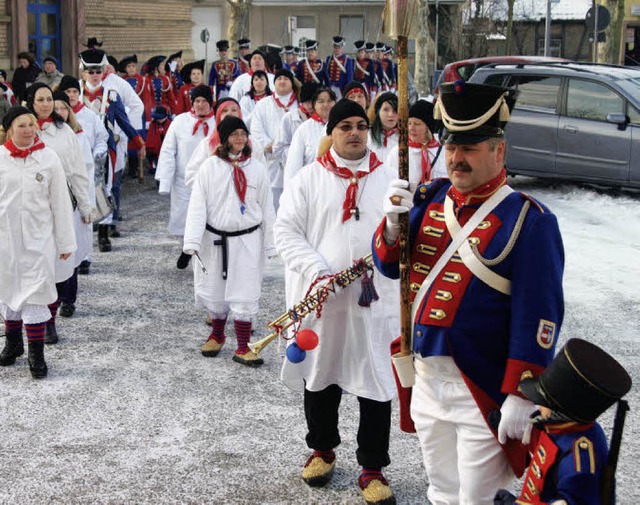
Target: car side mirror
[(620, 119)]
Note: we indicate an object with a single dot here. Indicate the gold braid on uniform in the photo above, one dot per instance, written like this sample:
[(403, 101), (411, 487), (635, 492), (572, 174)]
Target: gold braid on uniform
[(459, 125)]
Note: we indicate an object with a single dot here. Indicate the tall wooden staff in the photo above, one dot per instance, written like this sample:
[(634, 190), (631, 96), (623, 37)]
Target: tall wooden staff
[(398, 15)]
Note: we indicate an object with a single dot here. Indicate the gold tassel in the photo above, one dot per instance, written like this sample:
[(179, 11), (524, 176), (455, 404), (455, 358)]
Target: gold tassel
[(505, 115), (437, 113)]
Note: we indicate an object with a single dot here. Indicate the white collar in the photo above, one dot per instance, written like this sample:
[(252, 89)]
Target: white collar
[(361, 165)]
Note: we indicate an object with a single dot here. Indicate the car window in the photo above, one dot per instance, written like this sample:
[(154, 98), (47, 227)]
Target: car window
[(465, 71), (634, 115), (592, 100), (495, 79), (536, 92)]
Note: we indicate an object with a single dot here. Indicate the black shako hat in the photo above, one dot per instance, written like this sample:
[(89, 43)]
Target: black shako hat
[(12, 114), (228, 125), (244, 43), (68, 82), (122, 66), (342, 110), (310, 44), (423, 110), (581, 382), (203, 91), (473, 113), (185, 71), (360, 45), (222, 45)]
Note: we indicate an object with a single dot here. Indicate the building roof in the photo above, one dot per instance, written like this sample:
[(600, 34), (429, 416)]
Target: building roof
[(536, 10)]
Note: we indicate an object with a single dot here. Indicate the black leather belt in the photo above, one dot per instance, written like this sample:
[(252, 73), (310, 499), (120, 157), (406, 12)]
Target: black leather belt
[(225, 245)]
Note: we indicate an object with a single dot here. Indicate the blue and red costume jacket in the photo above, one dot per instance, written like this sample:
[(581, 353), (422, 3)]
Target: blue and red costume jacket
[(161, 94), (293, 66), (495, 339), (222, 75), (142, 86), (312, 71), (567, 463), (338, 77), (243, 65), (388, 74), (364, 72)]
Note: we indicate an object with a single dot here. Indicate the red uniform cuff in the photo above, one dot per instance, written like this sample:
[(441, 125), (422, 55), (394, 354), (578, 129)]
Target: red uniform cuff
[(515, 372), (138, 141), (387, 253)]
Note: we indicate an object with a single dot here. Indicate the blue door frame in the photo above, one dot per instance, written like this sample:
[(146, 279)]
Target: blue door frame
[(44, 44)]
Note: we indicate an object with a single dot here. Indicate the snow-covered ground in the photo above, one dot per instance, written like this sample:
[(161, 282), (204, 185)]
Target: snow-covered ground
[(132, 413)]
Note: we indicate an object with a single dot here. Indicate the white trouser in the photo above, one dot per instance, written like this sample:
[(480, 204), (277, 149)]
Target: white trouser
[(30, 314), (240, 311), (464, 462)]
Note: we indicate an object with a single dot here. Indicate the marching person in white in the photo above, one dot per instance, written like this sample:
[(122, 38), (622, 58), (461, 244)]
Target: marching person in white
[(327, 214), (267, 118), (242, 84), (292, 121), (383, 115), (259, 91), (184, 134), (36, 225), (97, 136), (426, 155), (306, 139), (229, 226), (57, 135)]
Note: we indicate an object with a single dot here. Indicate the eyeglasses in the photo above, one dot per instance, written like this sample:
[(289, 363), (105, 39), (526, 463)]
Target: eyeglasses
[(241, 134), (91, 72), (346, 128)]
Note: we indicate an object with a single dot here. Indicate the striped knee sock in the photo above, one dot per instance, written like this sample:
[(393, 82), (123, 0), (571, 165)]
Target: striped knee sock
[(243, 334), (35, 332), (13, 326), (217, 330), (53, 309)]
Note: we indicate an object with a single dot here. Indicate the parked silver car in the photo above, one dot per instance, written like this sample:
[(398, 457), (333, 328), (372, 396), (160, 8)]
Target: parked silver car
[(572, 121)]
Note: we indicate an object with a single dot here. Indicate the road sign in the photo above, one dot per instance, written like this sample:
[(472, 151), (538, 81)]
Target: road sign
[(603, 17), (205, 35)]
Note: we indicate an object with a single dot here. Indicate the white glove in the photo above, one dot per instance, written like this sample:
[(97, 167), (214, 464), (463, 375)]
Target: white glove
[(397, 200), (515, 420)]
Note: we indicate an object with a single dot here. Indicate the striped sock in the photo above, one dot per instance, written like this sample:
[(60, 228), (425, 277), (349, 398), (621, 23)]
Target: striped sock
[(35, 332), (369, 474), (53, 308), (13, 326), (217, 330), (243, 334)]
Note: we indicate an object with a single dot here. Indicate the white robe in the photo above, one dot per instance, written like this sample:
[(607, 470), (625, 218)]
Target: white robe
[(247, 105), (312, 239), (242, 85), (381, 150), (179, 143), (84, 232), (304, 147), (67, 146), (415, 164), (290, 123), (267, 118), (214, 201), (36, 226)]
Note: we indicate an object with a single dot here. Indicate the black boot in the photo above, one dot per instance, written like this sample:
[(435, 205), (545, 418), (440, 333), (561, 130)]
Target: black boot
[(183, 261), (37, 364), (83, 268), (113, 231), (104, 244), (51, 335), (13, 347)]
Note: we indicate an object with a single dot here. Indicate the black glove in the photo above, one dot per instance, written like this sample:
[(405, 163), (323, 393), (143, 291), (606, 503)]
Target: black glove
[(504, 497)]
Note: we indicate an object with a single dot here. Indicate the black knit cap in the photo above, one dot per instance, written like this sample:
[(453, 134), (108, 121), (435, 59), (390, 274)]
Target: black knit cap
[(228, 125), (12, 114), (224, 100), (283, 72), (342, 110), (61, 95), (203, 91), (307, 91), (423, 110), (69, 82)]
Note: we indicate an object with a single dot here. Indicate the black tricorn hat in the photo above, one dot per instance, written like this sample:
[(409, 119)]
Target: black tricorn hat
[(473, 113), (122, 66), (581, 382), (185, 72), (152, 63), (112, 60), (93, 58)]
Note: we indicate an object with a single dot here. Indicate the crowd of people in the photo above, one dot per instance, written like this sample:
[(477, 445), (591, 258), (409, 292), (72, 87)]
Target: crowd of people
[(299, 159)]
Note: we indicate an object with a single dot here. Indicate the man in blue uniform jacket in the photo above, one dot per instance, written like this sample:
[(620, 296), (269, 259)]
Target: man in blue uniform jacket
[(486, 311), (568, 447)]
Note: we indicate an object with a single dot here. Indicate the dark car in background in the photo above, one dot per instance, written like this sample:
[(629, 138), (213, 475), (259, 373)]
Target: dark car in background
[(572, 121)]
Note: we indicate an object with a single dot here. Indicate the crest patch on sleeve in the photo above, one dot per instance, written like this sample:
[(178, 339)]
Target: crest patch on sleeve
[(546, 333)]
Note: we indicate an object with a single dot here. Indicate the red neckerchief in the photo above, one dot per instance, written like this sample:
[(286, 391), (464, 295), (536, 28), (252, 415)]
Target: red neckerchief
[(350, 202), (201, 121), (92, 95), (239, 177), (479, 194), (77, 107), (17, 152), (79, 131), (257, 98), (302, 109), (426, 161), (281, 105), (42, 122), (387, 134), (316, 117)]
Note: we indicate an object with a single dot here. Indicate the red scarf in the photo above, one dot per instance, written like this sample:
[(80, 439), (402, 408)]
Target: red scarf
[(426, 161), (302, 109), (281, 105), (42, 122), (239, 177), (479, 194), (77, 107), (17, 152), (257, 98), (387, 134), (316, 117), (201, 121), (93, 95), (349, 207)]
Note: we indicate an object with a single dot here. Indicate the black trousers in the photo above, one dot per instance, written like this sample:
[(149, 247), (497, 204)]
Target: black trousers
[(321, 411)]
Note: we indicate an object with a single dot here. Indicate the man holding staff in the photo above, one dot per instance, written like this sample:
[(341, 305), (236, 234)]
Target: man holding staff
[(486, 269), (327, 214)]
